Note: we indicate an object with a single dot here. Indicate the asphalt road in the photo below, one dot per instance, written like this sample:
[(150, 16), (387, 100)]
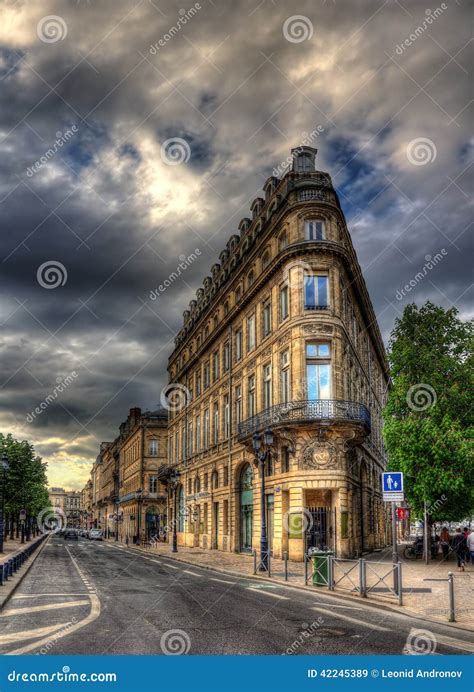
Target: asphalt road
[(84, 597)]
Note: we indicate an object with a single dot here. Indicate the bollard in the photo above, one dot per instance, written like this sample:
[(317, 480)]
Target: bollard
[(285, 557), (1, 575), (255, 561), (306, 559), (362, 584), (452, 612), (400, 583)]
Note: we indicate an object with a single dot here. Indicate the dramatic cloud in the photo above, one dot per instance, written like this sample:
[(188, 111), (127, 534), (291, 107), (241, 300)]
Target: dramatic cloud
[(92, 188)]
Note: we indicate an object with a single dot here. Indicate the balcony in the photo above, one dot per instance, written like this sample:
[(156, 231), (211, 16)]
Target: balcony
[(304, 412)]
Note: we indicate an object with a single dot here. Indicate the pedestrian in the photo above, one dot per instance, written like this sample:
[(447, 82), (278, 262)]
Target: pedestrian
[(470, 546), (445, 539), (466, 534), (459, 547)]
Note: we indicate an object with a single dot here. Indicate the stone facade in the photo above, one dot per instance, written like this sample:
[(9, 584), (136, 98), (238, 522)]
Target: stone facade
[(282, 335), (127, 497)]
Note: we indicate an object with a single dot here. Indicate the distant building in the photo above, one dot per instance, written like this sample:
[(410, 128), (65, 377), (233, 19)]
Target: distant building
[(67, 505)]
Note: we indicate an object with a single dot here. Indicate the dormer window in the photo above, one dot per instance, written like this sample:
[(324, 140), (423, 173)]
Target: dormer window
[(304, 159), (314, 230)]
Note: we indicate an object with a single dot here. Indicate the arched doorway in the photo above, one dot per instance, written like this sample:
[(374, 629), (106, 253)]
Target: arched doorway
[(246, 508)]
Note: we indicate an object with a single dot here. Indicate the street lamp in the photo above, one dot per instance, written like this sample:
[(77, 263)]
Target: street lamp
[(139, 496), (262, 449), (174, 482), (5, 466)]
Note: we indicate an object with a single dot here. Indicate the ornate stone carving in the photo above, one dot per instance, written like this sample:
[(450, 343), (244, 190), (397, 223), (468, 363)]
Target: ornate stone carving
[(318, 328), (320, 454)]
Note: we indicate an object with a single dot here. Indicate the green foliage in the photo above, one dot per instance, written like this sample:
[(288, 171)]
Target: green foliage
[(428, 424), (26, 485)]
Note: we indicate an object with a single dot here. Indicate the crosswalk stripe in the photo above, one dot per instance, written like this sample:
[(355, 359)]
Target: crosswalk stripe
[(47, 606), (267, 593), (328, 612)]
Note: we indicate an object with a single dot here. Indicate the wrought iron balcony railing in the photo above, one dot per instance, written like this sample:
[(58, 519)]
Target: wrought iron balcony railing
[(294, 412)]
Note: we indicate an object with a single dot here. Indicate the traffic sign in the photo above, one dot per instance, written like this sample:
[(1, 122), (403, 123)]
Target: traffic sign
[(392, 486), (22, 514)]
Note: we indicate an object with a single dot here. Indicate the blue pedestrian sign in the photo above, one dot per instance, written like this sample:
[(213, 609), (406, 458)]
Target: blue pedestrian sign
[(392, 482), (392, 486)]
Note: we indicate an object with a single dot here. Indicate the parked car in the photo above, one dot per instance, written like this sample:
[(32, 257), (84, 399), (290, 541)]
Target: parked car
[(70, 533), (96, 535)]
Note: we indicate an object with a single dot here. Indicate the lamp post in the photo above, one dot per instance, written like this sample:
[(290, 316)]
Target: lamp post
[(139, 496), (5, 466), (261, 454), (174, 482)]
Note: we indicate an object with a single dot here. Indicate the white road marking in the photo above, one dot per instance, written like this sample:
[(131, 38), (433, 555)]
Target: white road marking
[(267, 593), (194, 574), (47, 606), (346, 607), (222, 581), (327, 611), (446, 641), (171, 566), (31, 634), (40, 595), (93, 615)]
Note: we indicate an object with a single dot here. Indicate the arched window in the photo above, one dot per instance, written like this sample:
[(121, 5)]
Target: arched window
[(197, 485), (246, 508), (250, 278), (215, 480), (265, 259)]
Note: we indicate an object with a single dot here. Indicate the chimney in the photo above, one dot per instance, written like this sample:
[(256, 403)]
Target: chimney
[(134, 415)]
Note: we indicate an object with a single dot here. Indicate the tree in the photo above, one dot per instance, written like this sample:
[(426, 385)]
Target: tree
[(428, 419), (26, 484)]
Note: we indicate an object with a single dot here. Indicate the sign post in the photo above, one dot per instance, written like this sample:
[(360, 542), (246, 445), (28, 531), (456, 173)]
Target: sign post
[(392, 489)]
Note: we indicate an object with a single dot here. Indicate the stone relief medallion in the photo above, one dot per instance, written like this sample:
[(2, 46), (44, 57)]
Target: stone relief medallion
[(320, 454)]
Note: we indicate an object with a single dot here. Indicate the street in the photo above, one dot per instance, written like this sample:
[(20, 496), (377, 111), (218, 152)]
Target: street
[(86, 597)]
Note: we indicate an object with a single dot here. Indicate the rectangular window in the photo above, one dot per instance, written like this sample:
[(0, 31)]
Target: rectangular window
[(284, 303), (318, 371), (153, 484), (315, 292), (226, 356), (266, 318), (198, 383), (238, 344), (314, 230), (153, 448), (251, 396), (238, 404), (207, 378), (190, 439), (206, 428), (215, 366), (285, 394), (216, 423), (285, 460), (251, 333), (198, 433), (267, 385), (226, 416)]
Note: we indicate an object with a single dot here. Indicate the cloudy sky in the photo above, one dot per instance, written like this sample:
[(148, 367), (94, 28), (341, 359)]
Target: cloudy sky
[(98, 205)]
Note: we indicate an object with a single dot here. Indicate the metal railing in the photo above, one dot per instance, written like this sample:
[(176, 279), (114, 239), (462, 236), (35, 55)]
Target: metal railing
[(12, 564), (304, 412)]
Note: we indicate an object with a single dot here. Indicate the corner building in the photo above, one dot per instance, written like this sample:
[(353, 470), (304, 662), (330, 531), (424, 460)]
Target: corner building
[(282, 335)]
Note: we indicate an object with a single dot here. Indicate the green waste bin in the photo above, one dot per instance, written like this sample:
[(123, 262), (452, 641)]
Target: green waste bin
[(320, 566)]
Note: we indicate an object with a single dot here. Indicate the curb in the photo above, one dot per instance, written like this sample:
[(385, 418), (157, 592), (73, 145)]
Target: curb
[(377, 605), (20, 576)]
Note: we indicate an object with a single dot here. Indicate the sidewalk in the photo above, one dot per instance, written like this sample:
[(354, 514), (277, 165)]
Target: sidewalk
[(12, 546), (425, 587)]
